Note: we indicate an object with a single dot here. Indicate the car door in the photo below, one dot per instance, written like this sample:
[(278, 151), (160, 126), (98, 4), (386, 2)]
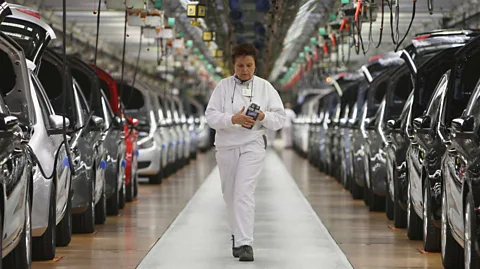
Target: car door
[(462, 89), (63, 178), (82, 138), (14, 158), (426, 137)]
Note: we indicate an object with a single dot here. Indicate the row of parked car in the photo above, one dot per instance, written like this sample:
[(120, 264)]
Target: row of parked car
[(115, 130), (404, 129)]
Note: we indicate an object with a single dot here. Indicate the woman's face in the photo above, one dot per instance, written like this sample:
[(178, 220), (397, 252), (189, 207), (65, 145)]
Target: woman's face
[(244, 67)]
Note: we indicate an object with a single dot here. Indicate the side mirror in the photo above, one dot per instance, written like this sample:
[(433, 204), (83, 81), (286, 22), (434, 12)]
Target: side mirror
[(56, 124), (118, 121), (7, 123), (97, 123), (393, 124), (56, 121), (463, 125), (422, 123), (369, 123)]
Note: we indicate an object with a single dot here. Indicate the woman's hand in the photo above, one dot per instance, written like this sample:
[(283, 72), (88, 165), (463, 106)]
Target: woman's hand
[(242, 119), (261, 116)]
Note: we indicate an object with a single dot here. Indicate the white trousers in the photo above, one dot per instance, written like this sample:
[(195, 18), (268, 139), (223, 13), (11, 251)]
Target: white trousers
[(239, 169), (287, 136)]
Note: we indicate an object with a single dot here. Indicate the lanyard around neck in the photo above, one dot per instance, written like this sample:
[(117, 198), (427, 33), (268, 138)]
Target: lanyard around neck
[(235, 87)]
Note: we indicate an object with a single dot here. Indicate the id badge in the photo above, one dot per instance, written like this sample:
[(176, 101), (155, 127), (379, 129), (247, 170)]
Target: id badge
[(247, 92)]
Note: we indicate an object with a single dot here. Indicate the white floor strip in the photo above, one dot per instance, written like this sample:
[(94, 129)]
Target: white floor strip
[(288, 233)]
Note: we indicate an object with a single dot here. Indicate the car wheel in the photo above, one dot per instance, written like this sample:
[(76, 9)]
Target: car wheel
[(135, 185), (399, 214), (431, 233), (414, 222), (101, 208), (470, 248), (451, 251), (21, 256), (388, 203), (155, 179), (113, 201), (84, 223), (121, 196), (44, 246), (376, 202), (366, 187), (64, 228), (356, 189)]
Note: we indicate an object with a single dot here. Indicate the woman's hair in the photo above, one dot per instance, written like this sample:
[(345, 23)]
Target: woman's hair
[(244, 50)]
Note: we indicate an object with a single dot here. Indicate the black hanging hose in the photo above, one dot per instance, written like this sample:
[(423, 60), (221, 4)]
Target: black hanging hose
[(97, 35), (392, 32), (430, 6), (55, 161), (409, 26), (381, 26), (65, 100)]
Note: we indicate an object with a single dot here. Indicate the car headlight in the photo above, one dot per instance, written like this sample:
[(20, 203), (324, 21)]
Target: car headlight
[(145, 143)]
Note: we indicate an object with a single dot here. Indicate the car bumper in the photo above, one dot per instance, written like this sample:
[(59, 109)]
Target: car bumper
[(149, 160)]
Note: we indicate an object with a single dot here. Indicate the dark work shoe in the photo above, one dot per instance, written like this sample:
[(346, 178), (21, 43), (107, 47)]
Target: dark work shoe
[(235, 251), (246, 254)]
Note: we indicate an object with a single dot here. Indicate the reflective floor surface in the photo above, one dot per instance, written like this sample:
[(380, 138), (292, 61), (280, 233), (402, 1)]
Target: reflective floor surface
[(288, 234), (367, 239)]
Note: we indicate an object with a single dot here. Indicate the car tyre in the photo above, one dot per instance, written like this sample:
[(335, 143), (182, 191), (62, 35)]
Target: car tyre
[(471, 258), (388, 204), (399, 214), (414, 222), (43, 247), (84, 223), (64, 228), (121, 196), (114, 200), (101, 208), (155, 179), (21, 256), (431, 233), (451, 251)]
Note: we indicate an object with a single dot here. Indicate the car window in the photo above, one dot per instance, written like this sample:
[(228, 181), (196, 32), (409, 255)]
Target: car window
[(464, 79), (30, 36), (376, 98), (402, 89), (436, 100), (132, 97), (52, 79), (45, 106), (80, 112), (83, 101), (13, 88), (107, 114)]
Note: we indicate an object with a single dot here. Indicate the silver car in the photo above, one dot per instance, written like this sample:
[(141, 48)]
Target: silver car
[(139, 104), (89, 198), (51, 171), (16, 178)]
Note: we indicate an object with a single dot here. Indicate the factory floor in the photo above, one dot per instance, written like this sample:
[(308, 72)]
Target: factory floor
[(304, 219)]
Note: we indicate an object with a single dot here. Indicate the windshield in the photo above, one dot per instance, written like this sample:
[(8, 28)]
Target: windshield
[(30, 36)]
